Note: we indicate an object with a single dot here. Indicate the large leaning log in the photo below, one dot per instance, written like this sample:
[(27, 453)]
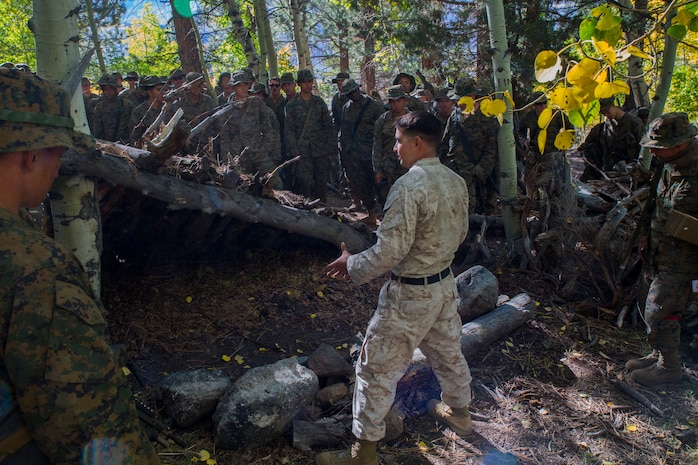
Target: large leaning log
[(418, 384), (179, 194)]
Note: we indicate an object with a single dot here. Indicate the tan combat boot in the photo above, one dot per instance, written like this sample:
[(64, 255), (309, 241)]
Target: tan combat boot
[(458, 419), (668, 366), (642, 362), (362, 452)]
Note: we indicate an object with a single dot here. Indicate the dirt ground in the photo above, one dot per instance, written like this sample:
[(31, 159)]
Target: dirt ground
[(546, 390)]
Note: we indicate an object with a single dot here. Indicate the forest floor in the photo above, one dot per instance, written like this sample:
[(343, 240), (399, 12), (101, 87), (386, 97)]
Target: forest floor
[(546, 389)]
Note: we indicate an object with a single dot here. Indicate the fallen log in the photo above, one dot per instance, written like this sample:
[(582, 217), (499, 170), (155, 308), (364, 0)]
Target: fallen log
[(179, 194)]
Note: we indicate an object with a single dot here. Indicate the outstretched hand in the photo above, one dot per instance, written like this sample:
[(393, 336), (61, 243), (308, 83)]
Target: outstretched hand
[(338, 268)]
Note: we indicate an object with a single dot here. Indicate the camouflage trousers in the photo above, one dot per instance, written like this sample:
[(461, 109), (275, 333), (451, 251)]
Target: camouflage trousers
[(408, 317), (311, 175), (259, 162), (360, 177), (668, 296)]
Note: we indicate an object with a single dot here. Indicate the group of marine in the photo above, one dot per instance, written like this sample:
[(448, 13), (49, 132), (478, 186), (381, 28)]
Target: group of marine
[(295, 122)]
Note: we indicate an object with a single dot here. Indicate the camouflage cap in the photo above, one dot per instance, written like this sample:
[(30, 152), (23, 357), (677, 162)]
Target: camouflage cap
[(107, 80), (466, 86), (131, 75), (413, 83), (150, 81), (606, 103), (176, 74), (668, 131), (35, 114), (349, 86), (287, 78), (192, 76), (305, 75), (240, 76), (395, 92), (443, 94), (342, 76), (258, 88)]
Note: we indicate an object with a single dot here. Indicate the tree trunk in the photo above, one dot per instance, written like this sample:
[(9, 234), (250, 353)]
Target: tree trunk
[(501, 60), (186, 195), (665, 77), (95, 36), (242, 35), (266, 38), (636, 80), (368, 66), (187, 43), (74, 206), (299, 35)]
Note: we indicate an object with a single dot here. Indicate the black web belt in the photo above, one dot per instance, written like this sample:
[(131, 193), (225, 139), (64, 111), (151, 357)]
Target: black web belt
[(435, 278)]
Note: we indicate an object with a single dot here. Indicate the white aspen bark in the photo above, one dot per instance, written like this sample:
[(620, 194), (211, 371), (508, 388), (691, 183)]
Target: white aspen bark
[(74, 205), (300, 36), (501, 65)]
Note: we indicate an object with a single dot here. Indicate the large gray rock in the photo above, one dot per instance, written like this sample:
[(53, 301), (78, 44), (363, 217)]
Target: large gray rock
[(261, 405), (190, 396), (326, 361), (478, 291)]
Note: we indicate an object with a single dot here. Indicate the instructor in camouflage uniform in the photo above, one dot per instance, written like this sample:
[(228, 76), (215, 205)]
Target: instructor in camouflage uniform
[(65, 400), (426, 219), (111, 114), (669, 247)]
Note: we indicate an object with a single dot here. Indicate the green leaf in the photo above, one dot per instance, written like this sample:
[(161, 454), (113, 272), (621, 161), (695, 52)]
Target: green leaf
[(677, 31), (692, 7), (610, 36), (586, 29), (693, 25)]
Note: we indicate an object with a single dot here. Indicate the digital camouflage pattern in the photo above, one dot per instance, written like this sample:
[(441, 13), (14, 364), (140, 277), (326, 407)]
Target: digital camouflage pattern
[(356, 147), (56, 363), (426, 220), (110, 119), (192, 108), (613, 141), (142, 117), (338, 102), (35, 114), (475, 165), (309, 133), (250, 126), (384, 158)]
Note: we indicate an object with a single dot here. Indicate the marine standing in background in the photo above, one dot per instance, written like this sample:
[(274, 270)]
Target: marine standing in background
[(469, 147), (147, 112), (111, 114), (338, 100), (66, 400), (409, 84), (194, 102), (309, 133), (669, 247), (359, 117), (615, 140), (386, 165)]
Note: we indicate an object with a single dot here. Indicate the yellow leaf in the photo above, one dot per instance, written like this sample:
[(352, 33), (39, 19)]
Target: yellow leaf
[(564, 139), (239, 359), (300, 351), (320, 294), (585, 69), (583, 91), (468, 103), (631, 428), (547, 65), (605, 51), (544, 118), (422, 446), (683, 17), (226, 358), (204, 454), (246, 367), (211, 462), (636, 52), (491, 108), (263, 349), (564, 99), (507, 96), (188, 299), (125, 371), (313, 316), (542, 137), (250, 299), (564, 328), (537, 304), (288, 292), (608, 21)]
